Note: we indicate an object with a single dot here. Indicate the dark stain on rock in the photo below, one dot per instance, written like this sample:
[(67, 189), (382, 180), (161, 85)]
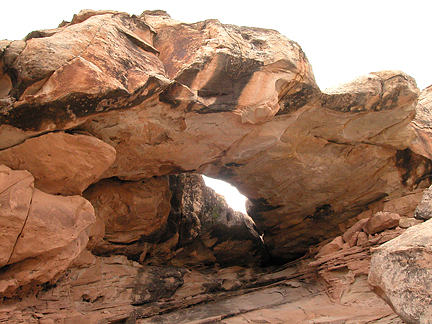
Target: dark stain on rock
[(155, 283), (321, 213), (409, 165), (294, 101), (32, 115), (230, 77)]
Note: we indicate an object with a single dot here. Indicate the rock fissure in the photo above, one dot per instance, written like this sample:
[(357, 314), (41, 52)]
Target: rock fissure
[(21, 231)]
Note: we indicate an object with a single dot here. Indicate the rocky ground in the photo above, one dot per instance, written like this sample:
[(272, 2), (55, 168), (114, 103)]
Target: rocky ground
[(106, 125)]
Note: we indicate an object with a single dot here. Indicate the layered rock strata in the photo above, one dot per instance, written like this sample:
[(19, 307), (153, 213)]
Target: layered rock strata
[(332, 287)]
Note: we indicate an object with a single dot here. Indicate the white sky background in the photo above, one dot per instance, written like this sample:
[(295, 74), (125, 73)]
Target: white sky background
[(342, 39)]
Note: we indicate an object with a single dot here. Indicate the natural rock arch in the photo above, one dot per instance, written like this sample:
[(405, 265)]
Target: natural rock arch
[(141, 104)]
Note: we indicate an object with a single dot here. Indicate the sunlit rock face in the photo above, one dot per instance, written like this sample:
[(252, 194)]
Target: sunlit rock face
[(235, 103), (421, 124)]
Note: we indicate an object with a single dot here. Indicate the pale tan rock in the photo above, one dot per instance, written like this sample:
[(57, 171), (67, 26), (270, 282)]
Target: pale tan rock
[(422, 144), (61, 163), (16, 190), (406, 222), (401, 273), (381, 221), (424, 208)]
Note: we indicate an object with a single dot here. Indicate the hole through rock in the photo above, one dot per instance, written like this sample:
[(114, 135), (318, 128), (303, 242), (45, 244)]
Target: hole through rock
[(232, 196)]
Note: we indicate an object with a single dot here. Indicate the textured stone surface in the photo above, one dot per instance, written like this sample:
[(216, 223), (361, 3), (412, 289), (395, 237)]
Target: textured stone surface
[(128, 212), (40, 234), (61, 163), (113, 289), (401, 274), (75, 74), (422, 144), (123, 103), (424, 208), (381, 221), (52, 223), (231, 102), (16, 189)]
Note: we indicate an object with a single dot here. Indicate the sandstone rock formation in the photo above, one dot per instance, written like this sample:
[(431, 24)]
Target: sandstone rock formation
[(421, 124), (176, 221), (423, 210), (113, 289), (149, 87), (127, 111), (41, 234), (61, 163)]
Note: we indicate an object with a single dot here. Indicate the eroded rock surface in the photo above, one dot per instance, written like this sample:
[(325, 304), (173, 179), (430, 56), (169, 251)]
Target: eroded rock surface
[(205, 230), (421, 124), (401, 274), (41, 234), (129, 213), (232, 102), (332, 288), (61, 163), (125, 110)]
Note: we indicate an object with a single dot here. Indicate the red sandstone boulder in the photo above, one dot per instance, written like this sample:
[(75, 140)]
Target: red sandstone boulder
[(381, 221), (41, 234), (61, 163)]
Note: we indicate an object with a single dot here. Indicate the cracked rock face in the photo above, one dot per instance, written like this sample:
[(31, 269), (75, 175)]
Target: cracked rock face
[(41, 234), (401, 274), (110, 106)]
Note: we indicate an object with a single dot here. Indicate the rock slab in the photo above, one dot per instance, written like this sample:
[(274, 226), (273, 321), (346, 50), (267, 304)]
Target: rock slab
[(401, 274)]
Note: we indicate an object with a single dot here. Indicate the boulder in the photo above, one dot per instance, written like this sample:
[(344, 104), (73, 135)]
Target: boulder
[(41, 234), (64, 75), (335, 245), (424, 208), (381, 221), (52, 223), (422, 144), (407, 222), (47, 267), (61, 163), (353, 231), (401, 273), (16, 190)]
